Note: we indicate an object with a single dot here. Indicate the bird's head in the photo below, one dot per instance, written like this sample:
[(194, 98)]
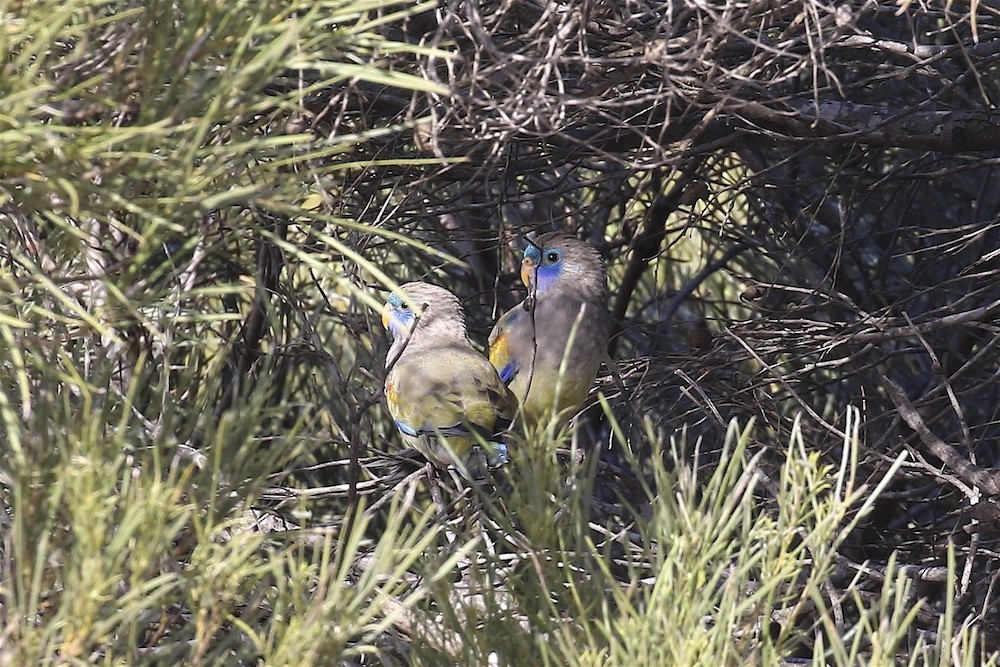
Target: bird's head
[(557, 262), (397, 315), (425, 306)]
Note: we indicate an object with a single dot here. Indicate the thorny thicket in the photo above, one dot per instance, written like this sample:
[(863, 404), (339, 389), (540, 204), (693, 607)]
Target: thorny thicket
[(797, 200), (800, 206)]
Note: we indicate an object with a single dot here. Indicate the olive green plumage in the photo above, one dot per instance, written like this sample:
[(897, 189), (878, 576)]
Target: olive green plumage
[(444, 396), (549, 348)]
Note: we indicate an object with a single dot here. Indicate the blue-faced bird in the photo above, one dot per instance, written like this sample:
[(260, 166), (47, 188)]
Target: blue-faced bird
[(445, 397), (549, 348)]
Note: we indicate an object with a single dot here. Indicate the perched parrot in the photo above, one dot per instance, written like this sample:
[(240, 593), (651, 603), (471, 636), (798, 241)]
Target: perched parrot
[(530, 345), (444, 396)]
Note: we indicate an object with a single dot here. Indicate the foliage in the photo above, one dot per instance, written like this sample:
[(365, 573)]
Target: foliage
[(200, 203)]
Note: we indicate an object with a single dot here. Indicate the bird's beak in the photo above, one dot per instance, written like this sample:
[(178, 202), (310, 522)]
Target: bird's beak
[(528, 273), (386, 315)]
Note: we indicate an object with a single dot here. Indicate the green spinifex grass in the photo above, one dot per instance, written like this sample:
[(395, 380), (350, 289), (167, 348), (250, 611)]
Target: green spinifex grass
[(738, 567), (183, 322), (120, 550)]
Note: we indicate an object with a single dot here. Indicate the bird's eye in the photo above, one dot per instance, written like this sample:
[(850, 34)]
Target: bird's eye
[(552, 257), (404, 306)]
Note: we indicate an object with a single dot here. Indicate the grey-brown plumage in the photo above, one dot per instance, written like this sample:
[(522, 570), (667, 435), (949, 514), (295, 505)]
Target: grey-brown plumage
[(549, 348), (444, 396)]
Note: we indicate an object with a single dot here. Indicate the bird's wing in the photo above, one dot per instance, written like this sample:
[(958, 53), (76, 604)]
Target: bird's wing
[(500, 349), (447, 391)]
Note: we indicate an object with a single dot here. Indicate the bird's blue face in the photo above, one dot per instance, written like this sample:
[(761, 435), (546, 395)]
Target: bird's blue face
[(541, 267), (397, 315)]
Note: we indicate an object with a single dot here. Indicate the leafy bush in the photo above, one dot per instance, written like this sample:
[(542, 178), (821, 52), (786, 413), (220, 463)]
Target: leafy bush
[(200, 205)]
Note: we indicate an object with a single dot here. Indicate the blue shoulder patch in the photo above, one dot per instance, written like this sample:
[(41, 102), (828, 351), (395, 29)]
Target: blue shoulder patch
[(507, 372), (405, 428)]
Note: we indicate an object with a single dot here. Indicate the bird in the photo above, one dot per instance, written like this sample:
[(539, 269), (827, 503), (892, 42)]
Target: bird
[(530, 345), (444, 396)]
